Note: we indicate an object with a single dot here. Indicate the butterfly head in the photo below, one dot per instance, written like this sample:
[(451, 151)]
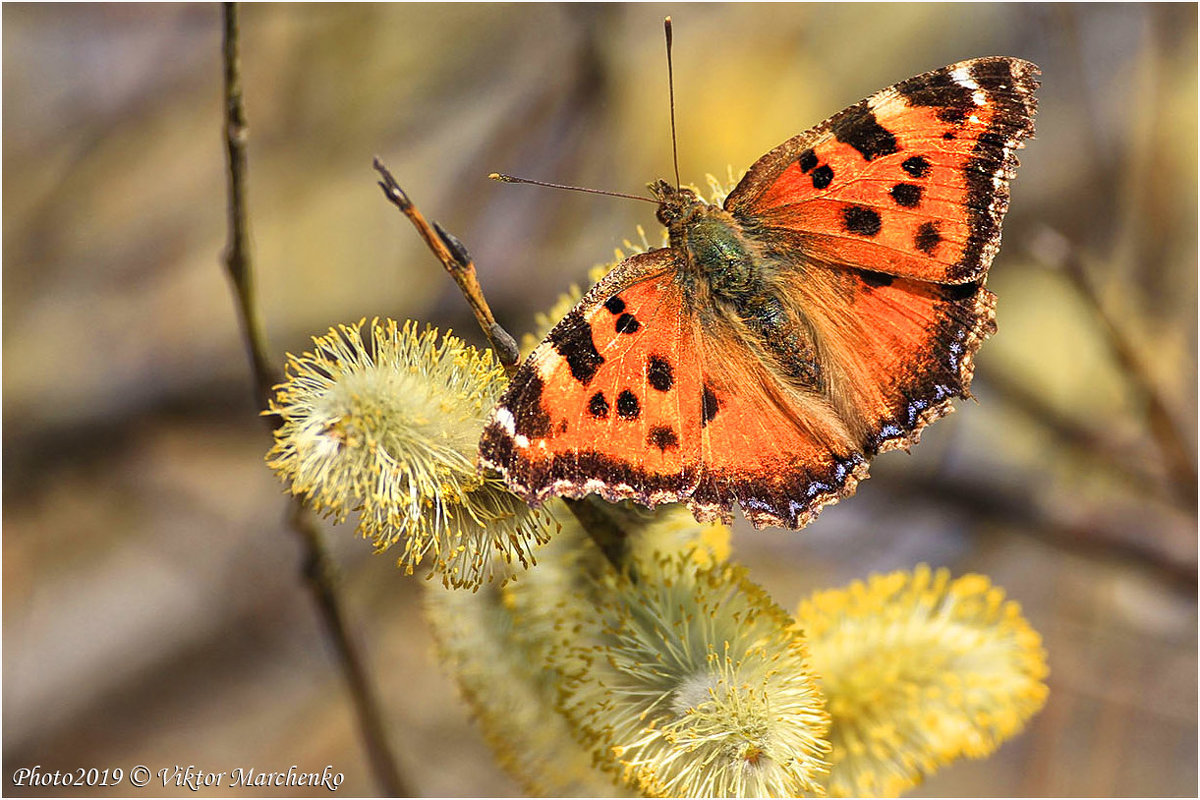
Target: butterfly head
[(676, 206)]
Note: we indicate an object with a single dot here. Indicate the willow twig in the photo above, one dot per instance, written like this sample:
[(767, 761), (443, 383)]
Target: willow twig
[(237, 253), (321, 572), (457, 261), (1023, 509), (604, 531), (319, 566)]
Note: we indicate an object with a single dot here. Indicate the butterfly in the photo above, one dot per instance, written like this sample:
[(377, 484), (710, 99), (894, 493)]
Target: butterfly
[(826, 312)]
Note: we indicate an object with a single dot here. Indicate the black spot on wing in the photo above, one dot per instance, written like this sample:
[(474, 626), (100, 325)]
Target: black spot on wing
[(960, 291), (627, 323), (927, 238), (530, 419), (628, 406), (807, 160), (907, 195), (940, 90), (598, 406), (861, 220), (572, 339), (614, 304), (857, 127), (662, 437), (917, 166), (497, 446), (875, 279), (708, 406), (659, 373), (955, 116), (822, 176)]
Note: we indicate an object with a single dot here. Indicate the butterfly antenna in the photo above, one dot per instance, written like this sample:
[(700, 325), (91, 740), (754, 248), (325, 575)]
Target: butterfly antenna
[(497, 176), (671, 89)]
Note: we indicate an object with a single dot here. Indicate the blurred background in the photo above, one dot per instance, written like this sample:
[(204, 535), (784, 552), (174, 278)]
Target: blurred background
[(154, 610)]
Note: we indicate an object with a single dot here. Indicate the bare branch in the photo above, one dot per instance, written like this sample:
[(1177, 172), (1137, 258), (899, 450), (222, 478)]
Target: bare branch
[(319, 568)]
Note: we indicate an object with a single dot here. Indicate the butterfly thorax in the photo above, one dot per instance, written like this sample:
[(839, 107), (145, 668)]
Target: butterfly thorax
[(719, 258), (724, 271)]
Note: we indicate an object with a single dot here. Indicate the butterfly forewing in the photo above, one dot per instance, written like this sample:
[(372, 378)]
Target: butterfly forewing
[(912, 181)]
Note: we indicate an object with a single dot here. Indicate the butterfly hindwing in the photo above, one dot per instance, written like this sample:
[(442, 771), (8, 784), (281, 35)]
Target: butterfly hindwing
[(912, 181), (894, 350), (779, 451)]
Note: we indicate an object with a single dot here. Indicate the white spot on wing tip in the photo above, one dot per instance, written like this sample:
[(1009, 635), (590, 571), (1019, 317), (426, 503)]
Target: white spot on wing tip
[(962, 76), (547, 364), (505, 418)]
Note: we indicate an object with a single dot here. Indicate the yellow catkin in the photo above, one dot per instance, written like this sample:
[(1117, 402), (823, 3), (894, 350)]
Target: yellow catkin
[(387, 428), (689, 681), (919, 670)]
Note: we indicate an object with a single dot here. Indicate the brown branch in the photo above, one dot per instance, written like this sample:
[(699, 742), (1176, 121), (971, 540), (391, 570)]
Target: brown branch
[(322, 575), (607, 534), (319, 568), (457, 261), (237, 253), (1162, 422)]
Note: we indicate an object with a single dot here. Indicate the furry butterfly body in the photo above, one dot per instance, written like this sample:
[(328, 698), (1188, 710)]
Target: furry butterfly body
[(827, 311)]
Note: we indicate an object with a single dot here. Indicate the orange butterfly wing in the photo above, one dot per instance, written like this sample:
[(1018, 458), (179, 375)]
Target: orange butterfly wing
[(912, 181), (630, 398), (778, 451)]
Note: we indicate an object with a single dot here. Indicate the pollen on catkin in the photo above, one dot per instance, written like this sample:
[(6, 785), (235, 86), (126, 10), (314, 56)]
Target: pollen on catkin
[(389, 429), (690, 682), (919, 670), (511, 694)]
